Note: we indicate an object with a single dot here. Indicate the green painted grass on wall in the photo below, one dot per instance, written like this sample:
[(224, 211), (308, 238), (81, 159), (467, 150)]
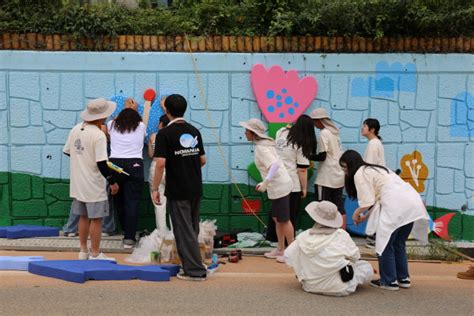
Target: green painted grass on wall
[(29, 199)]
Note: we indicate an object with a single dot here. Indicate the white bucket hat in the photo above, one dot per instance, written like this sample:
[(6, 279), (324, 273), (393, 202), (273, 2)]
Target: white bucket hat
[(324, 213), (319, 113), (98, 109), (256, 126)]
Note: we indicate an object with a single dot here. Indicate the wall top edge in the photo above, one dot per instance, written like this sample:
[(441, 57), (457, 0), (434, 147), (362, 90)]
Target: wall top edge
[(13, 60)]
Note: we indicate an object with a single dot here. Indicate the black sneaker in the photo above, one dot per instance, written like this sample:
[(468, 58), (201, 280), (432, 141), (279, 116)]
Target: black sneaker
[(370, 242), (392, 286), (185, 277), (404, 283)]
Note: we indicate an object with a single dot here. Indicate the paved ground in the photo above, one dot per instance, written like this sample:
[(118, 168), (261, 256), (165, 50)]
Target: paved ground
[(255, 285), (113, 244), (108, 244)]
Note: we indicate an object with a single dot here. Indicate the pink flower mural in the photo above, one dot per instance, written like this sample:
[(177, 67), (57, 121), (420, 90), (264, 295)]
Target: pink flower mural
[(282, 96)]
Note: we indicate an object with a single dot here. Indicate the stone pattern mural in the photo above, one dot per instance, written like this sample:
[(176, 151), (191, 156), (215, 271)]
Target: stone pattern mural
[(423, 102)]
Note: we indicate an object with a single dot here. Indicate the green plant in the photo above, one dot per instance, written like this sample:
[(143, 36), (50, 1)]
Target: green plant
[(435, 250), (368, 18)]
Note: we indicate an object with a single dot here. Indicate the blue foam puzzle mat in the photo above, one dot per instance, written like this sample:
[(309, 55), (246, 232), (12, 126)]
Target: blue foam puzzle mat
[(17, 262), (80, 271), (28, 231), (350, 206)]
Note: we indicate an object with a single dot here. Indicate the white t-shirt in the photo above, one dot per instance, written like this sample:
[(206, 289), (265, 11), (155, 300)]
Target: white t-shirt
[(374, 152), (265, 155), (291, 157), (329, 172), (126, 145), (86, 146)]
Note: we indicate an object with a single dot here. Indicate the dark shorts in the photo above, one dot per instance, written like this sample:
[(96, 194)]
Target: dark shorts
[(332, 195), (295, 199), (281, 209)]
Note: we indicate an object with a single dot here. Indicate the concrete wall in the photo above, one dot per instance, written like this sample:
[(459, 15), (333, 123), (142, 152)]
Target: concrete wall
[(425, 103)]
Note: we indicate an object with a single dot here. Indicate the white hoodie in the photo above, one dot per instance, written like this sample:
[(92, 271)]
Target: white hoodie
[(317, 259)]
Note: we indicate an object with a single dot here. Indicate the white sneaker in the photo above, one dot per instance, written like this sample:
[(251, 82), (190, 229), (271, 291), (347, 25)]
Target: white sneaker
[(70, 234), (128, 243), (281, 259), (83, 255), (102, 256), (275, 253)]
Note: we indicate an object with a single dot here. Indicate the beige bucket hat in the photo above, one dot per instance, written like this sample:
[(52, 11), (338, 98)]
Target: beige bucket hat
[(256, 126), (322, 115), (98, 109), (319, 113), (324, 213)]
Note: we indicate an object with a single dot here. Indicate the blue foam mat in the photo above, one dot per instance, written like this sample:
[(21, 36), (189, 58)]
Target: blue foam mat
[(27, 231), (17, 262), (80, 271)]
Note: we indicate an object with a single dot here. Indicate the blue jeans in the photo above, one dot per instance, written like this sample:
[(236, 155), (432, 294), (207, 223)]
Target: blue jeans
[(393, 263), (108, 223)]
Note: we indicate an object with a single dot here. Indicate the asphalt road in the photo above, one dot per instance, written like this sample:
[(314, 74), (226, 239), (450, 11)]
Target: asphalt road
[(255, 285)]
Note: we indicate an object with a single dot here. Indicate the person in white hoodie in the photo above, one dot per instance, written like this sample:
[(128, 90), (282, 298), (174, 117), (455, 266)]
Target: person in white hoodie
[(160, 210), (374, 154), (325, 258), (329, 183), (277, 183), (394, 210)]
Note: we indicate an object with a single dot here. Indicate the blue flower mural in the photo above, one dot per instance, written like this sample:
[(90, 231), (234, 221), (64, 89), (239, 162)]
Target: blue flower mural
[(155, 113), (388, 79)]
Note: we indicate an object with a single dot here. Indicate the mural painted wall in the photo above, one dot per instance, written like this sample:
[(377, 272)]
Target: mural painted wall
[(425, 104)]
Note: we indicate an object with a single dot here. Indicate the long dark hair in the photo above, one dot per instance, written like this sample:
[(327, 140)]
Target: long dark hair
[(127, 121), (353, 160), (302, 135), (375, 125)]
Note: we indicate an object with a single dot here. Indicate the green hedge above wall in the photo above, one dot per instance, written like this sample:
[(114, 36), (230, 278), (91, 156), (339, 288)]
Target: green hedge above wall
[(373, 19)]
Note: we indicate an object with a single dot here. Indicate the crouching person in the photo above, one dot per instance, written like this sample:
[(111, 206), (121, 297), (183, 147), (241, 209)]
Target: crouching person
[(325, 258)]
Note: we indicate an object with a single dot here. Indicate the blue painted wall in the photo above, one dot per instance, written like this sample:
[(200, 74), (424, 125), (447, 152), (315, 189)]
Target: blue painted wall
[(424, 103)]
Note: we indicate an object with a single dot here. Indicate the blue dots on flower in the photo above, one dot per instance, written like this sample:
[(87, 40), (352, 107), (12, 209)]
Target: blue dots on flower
[(270, 94), (284, 104)]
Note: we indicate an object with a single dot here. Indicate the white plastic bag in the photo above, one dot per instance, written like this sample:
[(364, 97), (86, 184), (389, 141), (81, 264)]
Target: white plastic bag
[(147, 244), (207, 231)]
